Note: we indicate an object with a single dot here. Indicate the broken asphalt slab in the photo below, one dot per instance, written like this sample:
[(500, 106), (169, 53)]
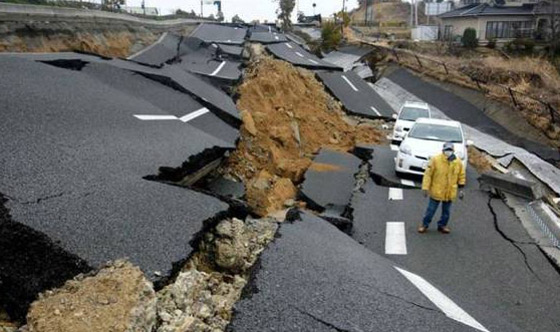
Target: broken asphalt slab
[(294, 54), (357, 97), (383, 169), (330, 180), (206, 93), (181, 105), (212, 33), (267, 37), (164, 50), (348, 57), (73, 160), (313, 277), (489, 261)]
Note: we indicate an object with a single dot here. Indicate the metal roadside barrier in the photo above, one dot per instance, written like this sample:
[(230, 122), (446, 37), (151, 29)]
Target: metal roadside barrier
[(513, 185)]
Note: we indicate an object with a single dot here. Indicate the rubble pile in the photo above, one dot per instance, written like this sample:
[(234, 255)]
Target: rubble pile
[(287, 117)]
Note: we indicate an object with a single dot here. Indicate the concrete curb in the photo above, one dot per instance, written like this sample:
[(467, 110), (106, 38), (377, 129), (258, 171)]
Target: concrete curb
[(513, 185)]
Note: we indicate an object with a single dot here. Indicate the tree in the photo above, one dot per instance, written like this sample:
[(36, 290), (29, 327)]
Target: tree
[(284, 11), (237, 19), (220, 17), (344, 18)]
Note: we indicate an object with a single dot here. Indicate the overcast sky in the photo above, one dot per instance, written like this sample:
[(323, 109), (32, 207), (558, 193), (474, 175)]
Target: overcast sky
[(248, 10)]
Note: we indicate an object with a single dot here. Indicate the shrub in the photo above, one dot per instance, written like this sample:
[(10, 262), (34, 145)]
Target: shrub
[(469, 39), (331, 35), (520, 45), (491, 43)]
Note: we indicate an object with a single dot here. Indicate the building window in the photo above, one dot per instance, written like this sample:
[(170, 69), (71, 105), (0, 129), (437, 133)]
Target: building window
[(447, 32), (509, 29)]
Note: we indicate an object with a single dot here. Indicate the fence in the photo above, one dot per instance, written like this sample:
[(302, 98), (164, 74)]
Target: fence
[(520, 100)]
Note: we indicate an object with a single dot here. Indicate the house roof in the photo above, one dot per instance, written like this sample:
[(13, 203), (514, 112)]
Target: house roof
[(484, 9)]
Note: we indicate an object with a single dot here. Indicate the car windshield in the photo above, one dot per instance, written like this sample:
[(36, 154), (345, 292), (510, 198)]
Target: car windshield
[(413, 113), (434, 132)]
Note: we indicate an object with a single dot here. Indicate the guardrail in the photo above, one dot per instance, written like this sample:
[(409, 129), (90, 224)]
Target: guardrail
[(520, 100)]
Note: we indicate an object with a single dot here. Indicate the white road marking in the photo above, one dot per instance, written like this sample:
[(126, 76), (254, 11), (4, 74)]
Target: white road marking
[(155, 117), (194, 115), (276, 37), (445, 304), (395, 194), (407, 182), (376, 111), (313, 61), (350, 83), (219, 68), (148, 48), (301, 55), (288, 44), (269, 29), (394, 147), (395, 238)]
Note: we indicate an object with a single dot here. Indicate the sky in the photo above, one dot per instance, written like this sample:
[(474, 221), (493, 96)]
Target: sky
[(248, 10)]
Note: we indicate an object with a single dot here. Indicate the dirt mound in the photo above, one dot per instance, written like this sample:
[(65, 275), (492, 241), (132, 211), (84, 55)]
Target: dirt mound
[(118, 298), (287, 118)]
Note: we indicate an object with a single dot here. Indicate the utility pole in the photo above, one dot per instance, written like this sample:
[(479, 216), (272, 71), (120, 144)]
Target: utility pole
[(201, 9)]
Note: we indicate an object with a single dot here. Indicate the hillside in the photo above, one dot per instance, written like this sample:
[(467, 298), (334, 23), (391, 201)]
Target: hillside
[(389, 12)]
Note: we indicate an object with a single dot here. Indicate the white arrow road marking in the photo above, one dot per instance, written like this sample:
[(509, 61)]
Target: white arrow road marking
[(194, 115), (289, 46), (376, 111), (394, 147), (156, 117), (218, 69), (395, 194), (395, 238), (445, 304), (350, 83), (407, 182)]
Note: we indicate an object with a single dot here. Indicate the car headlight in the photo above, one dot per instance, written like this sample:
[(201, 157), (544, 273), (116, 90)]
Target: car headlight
[(406, 149)]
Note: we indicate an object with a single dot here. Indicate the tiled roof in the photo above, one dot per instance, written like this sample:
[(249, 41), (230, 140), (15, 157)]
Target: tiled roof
[(484, 9)]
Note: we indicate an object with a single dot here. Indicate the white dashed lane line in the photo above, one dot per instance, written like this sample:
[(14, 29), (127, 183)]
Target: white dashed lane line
[(194, 115), (395, 194), (440, 300), (155, 117), (218, 69), (376, 111), (350, 83), (288, 45), (395, 238)]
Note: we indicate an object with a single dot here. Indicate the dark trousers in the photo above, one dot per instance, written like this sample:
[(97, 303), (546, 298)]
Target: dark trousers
[(431, 211)]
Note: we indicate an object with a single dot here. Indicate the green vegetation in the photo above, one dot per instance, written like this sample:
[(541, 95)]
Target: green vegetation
[(331, 35), (469, 39)]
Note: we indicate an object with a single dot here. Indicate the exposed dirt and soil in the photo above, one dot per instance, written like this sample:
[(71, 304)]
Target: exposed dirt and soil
[(287, 118), (479, 160), (112, 40), (118, 298)]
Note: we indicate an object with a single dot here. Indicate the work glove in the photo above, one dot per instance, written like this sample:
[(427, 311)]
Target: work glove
[(461, 194)]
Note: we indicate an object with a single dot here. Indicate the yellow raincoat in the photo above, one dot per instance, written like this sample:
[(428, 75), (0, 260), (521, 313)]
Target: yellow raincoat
[(442, 178)]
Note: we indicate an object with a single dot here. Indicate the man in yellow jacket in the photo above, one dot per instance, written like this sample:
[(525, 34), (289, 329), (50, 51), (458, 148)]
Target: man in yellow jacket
[(444, 175)]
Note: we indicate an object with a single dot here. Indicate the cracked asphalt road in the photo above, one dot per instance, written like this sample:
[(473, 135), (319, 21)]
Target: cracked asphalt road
[(485, 262)]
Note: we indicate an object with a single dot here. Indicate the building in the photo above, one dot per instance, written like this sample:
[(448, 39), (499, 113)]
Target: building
[(500, 20)]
